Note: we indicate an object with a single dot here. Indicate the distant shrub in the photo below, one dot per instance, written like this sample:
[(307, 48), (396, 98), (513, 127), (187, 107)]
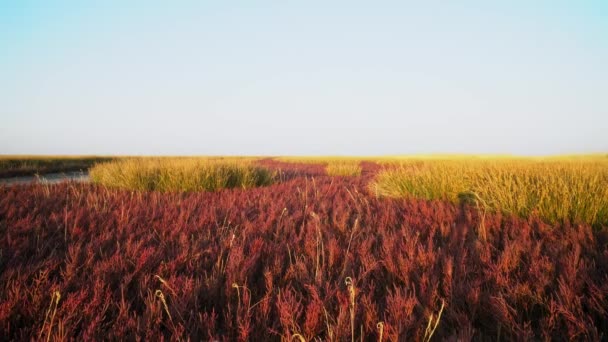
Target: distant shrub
[(558, 190), (343, 168), (180, 174)]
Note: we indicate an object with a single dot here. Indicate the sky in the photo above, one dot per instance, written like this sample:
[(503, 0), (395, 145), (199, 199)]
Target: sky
[(303, 77)]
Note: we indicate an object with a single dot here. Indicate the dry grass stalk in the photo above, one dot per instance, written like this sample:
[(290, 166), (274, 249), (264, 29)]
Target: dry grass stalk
[(159, 294), (428, 333), (380, 327), (298, 337), (352, 293), (55, 297)]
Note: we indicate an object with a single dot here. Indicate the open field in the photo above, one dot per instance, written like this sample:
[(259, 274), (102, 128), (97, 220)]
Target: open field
[(400, 250)]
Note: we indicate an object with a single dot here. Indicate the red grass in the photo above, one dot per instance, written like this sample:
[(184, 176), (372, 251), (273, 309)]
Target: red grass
[(267, 263)]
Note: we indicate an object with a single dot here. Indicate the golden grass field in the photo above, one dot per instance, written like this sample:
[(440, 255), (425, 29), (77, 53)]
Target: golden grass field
[(180, 174), (343, 168), (557, 188)]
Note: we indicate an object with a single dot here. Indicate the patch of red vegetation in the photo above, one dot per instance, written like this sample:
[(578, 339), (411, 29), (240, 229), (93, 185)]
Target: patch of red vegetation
[(266, 263)]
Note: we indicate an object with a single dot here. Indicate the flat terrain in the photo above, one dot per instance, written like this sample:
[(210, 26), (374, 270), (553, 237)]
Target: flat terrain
[(18, 166), (317, 252), (47, 178)]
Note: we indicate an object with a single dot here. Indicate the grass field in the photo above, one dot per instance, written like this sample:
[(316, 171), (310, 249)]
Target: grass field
[(181, 174), (423, 249), (559, 189), (343, 168)]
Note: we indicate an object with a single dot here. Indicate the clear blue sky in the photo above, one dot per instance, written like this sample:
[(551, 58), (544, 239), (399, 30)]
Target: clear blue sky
[(305, 77)]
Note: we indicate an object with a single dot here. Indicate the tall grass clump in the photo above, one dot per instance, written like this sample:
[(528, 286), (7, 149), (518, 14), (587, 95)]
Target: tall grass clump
[(343, 168), (557, 190), (180, 174)]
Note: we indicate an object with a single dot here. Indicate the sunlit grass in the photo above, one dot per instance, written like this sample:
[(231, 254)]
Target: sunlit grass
[(398, 159), (343, 168), (557, 189), (324, 160), (181, 174)]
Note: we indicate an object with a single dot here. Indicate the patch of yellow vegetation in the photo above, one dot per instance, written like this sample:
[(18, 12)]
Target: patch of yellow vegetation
[(343, 168), (181, 174), (556, 188)]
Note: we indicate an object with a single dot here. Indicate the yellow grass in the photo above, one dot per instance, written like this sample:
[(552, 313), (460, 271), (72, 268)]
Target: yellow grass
[(406, 158), (181, 174), (324, 160), (343, 168), (556, 188)]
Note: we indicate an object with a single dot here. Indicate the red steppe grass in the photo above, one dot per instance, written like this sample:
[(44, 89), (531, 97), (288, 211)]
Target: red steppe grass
[(81, 262)]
